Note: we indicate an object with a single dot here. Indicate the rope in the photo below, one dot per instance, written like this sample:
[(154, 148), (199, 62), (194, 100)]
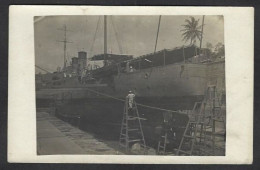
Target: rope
[(91, 49), (157, 33), (116, 35), (158, 29), (42, 69), (142, 105)]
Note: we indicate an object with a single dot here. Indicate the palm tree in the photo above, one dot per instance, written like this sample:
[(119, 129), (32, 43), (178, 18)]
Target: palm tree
[(191, 30)]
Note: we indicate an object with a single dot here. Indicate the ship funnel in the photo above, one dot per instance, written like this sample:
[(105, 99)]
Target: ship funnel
[(82, 60)]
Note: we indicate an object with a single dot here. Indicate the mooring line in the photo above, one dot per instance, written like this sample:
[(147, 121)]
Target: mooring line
[(142, 105)]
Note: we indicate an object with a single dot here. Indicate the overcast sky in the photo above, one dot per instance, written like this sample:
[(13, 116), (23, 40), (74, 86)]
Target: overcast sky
[(136, 34)]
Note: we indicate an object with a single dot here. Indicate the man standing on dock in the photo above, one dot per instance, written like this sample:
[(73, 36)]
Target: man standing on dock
[(130, 98)]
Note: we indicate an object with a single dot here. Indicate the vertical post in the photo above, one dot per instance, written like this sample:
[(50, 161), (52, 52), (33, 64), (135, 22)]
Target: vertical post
[(65, 39), (157, 33), (202, 32), (105, 39), (164, 57)]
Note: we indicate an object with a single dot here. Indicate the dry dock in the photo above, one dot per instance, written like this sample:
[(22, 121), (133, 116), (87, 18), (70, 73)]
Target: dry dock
[(57, 137)]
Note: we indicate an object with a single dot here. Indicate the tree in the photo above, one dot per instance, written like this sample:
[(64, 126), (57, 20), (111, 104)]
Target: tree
[(220, 50), (209, 46), (191, 30)]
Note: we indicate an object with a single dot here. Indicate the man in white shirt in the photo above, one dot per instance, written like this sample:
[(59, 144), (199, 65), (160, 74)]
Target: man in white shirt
[(130, 98)]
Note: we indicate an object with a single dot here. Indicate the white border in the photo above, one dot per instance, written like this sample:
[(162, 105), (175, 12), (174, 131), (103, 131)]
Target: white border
[(239, 32)]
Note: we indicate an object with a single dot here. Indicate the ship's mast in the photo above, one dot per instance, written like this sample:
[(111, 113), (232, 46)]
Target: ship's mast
[(202, 32), (65, 41), (157, 33), (105, 40)]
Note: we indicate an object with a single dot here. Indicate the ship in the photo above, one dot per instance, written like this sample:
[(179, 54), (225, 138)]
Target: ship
[(165, 82)]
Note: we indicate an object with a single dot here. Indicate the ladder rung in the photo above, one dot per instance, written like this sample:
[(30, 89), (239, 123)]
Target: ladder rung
[(182, 127), (132, 129), (135, 118), (218, 120), (135, 140), (132, 118), (219, 133), (208, 127), (185, 152), (188, 136), (198, 102), (213, 98), (122, 145), (202, 137), (143, 145), (193, 122), (196, 114)]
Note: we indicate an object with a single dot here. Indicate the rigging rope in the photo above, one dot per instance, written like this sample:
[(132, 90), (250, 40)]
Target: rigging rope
[(157, 33), (94, 39), (42, 69), (142, 105), (158, 29), (116, 35)]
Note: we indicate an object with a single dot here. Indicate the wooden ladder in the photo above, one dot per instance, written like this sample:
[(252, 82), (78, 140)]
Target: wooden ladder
[(131, 128), (214, 115), (162, 144), (193, 130)]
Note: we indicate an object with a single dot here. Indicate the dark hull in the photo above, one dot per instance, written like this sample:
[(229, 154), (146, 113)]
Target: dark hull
[(103, 116)]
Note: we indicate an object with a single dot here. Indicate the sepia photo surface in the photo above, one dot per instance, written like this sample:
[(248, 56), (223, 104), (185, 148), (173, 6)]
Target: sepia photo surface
[(131, 84), (143, 85)]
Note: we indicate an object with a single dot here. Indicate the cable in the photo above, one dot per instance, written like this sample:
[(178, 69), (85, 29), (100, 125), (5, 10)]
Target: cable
[(116, 35), (142, 105), (157, 33), (42, 69), (94, 39), (158, 29)]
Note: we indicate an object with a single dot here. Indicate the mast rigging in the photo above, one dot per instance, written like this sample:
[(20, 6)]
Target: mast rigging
[(116, 35), (105, 40), (202, 32), (157, 33), (42, 69), (65, 41)]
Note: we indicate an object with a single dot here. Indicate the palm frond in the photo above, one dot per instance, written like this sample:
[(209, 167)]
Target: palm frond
[(191, 30)]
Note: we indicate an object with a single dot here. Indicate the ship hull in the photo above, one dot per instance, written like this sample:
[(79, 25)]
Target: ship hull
[(164, 81), (171, 87), (103, 117)]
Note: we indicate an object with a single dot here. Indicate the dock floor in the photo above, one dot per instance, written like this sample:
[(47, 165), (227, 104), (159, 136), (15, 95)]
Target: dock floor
[(57, 137)]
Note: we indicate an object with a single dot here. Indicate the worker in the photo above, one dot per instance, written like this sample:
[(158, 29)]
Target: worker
[(130, 97), (83, 74), (131, 69)]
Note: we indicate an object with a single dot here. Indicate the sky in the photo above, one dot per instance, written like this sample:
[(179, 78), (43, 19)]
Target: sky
[(135, 34)]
